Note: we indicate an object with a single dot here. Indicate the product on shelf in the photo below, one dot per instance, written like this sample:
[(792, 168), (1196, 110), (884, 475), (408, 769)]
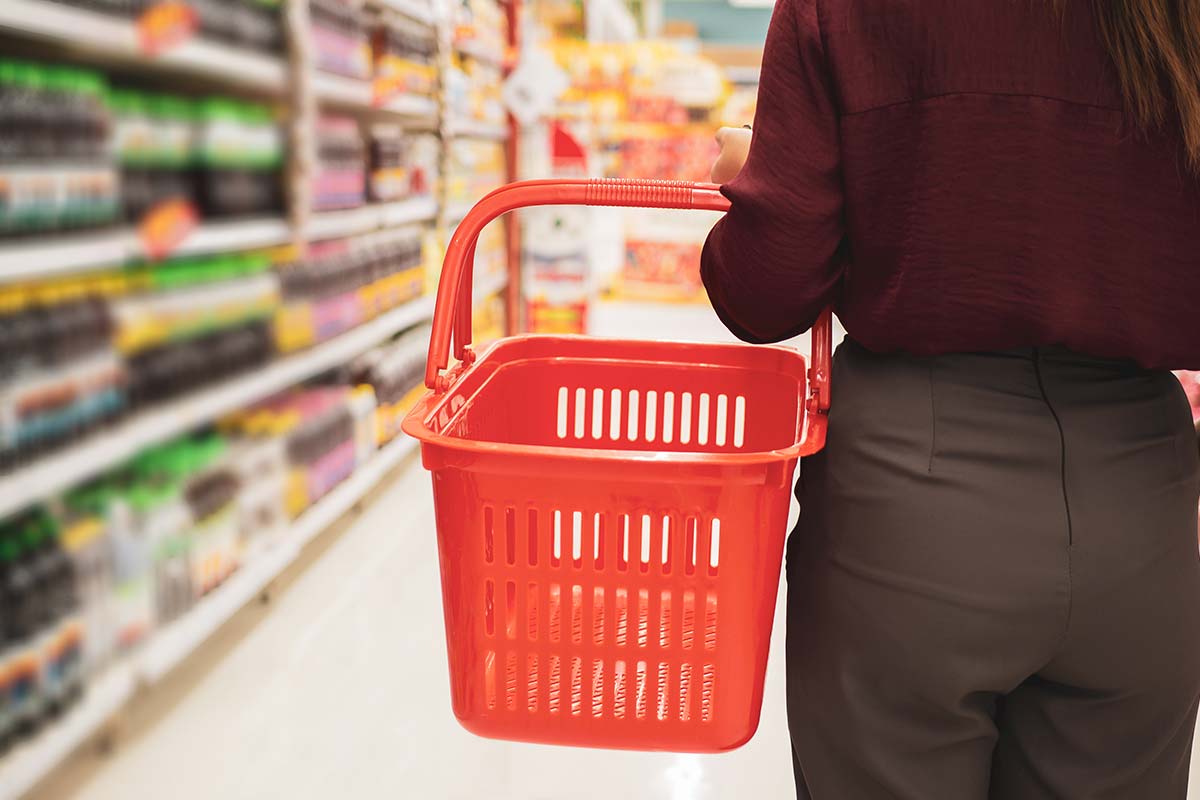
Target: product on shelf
[(662, 251), (261, 467), (56, 166), (481, 25), (474, 92), (402, 165), (85, 539), (239, 158), (171, 370), (221, 156), (556, 278), (120, 614), (41, 632), (154, 319), (251, 24), (155, 141), (328, 431), (405, 53), (396, 372), (339, 36), (59, 375), (198, 321), (342, 283), (340, 175), (474, 167)]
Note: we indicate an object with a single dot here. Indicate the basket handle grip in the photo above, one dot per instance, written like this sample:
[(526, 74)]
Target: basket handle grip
[(454, 294)]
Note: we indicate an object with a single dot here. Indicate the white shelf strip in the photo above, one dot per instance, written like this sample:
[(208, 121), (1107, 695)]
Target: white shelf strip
[(335, 224), (357, 94), (59, 254), (72, 465), (54, 254), (410, 105), (223, 237), (108, 37), (406, 212), (21, 770), (341, 89), (477, 129), (30, 762)]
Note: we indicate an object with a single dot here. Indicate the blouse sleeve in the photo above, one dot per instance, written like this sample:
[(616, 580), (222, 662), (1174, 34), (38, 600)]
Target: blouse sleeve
[(776, 259)]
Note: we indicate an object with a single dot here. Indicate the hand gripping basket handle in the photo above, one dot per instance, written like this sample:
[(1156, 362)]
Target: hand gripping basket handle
[(454, 293)]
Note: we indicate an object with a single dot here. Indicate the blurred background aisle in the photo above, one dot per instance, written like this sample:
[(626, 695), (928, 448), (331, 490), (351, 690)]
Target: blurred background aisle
[(221, 229)]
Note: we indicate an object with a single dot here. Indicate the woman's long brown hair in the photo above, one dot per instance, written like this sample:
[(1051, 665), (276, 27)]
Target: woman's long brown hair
[(1155, 45)]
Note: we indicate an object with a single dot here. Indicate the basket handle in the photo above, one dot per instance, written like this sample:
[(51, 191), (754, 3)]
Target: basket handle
[(454, 294)]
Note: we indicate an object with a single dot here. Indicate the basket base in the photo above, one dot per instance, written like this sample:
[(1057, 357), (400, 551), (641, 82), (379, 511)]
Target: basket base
[(647, 737)]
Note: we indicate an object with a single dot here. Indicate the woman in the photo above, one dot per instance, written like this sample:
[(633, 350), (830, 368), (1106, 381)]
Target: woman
[(994, 587)]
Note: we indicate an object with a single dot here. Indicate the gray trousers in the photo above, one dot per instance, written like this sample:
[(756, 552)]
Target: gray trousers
[(994, 587)]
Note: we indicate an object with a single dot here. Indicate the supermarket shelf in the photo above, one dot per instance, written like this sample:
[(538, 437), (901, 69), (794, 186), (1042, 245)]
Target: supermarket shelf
[(107, 37), (44, 256), (29, 763), (406, 212), (63, 253), (477, 129), (413, 9), (21, 770), (481, 52), (341, 90), (356, 94), (348, 222), (169, 648), (410, 105), (221, 237), (335, 224), (488, 285), (115, 445)]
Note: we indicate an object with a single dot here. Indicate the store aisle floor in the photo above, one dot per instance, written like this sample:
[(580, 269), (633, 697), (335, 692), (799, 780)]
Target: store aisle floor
[(340, 690)]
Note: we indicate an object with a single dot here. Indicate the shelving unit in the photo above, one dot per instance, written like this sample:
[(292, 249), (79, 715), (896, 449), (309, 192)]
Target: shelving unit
[(44, 256), (61, 254), (411, 106), (102, 37), (341, 90), (477, 129), (21, 770), (73, 34), (170, 647), (335, 224), (219, 237), (94, 454)]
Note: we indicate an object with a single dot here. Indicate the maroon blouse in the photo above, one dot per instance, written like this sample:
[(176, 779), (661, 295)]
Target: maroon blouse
[(957, 175)]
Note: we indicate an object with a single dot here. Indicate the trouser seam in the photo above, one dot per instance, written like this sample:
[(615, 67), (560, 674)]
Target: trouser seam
[(1062, 440)]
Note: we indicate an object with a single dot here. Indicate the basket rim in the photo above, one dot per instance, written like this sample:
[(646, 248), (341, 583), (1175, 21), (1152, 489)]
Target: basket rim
[(809, 435)]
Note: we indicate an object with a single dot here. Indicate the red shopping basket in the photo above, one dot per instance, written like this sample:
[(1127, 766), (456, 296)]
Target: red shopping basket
[(611, 512)]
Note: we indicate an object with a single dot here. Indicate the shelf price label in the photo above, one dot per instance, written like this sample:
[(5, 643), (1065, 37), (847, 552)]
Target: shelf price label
[(166, 24), (165, 227)]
